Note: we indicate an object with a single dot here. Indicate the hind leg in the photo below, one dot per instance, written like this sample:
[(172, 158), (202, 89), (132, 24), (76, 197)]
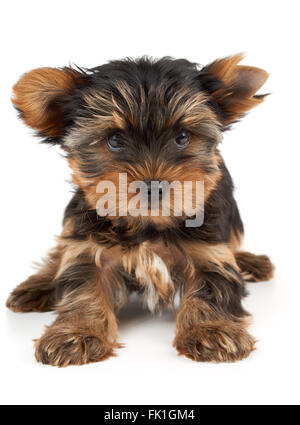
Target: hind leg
[(254, 268), (37, 293)]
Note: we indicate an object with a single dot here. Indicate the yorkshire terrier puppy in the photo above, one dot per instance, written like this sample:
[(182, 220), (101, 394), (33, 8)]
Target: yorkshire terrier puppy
[(152, 122)]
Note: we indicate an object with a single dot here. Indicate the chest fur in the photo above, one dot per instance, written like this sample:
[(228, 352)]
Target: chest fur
[(151, 267)]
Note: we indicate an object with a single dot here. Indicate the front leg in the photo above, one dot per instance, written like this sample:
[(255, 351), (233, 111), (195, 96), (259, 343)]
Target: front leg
[(86, 328), (212, 323)]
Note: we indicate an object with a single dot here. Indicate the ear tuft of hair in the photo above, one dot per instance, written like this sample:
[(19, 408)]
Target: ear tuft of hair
[(233, 87), (39, 96)]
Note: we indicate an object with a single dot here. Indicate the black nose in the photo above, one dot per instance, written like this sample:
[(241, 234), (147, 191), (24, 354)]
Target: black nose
[(160, 191)]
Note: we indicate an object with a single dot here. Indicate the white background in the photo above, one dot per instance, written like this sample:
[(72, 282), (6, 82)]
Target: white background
[(262, 153)]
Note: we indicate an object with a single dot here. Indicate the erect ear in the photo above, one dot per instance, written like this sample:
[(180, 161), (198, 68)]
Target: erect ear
[(40, 96), (233, 87)]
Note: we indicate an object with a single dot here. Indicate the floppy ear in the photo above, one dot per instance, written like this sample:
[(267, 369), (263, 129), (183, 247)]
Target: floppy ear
[(40, 96), (233, 87)]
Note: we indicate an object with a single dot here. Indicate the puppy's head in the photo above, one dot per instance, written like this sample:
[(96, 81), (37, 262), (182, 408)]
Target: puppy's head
[(147, 121)]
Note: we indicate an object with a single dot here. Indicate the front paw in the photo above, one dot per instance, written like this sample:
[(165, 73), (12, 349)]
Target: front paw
[(215, 342), (58, 348)]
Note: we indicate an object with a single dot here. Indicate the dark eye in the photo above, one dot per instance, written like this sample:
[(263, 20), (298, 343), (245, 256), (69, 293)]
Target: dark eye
[(115, 142), (182, 140)]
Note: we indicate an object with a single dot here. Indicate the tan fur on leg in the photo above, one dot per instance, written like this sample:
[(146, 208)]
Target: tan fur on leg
[(86, 328), (85, 331), (211, 323), (204, 335)]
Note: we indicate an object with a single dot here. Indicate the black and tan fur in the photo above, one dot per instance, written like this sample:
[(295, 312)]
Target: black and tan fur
[(99, 261)]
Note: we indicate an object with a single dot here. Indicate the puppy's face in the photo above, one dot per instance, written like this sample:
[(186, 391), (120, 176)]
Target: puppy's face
[(151, 121)]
